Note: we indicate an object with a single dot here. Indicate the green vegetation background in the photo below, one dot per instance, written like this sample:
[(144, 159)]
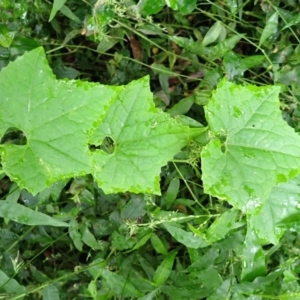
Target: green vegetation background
[(118, 245)]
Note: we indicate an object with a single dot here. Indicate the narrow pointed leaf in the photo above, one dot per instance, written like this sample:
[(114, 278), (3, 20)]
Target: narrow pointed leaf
[(118, 284), (270, 28), (88, 238), (163, 271), (141, 242), (150, 295), (294, 21), (21, 214), (210, 277), (57, 5), (188, 239), (158, 245), (221, 226), (172, 192), (75, 234), (233, 5), (253, 257), (252, 149), (10, 285), (219, 50), (209, 53), (50, 292), (212, 34)]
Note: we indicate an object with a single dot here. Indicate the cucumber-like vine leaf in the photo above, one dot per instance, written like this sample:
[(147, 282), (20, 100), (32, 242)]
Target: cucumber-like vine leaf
[(281, 211), (145, 138), (252, 149), (65, 122), (57, 117)]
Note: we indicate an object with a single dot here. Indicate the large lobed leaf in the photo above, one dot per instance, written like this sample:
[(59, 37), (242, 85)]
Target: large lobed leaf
[(61, 118), (144, 137), (252, 149), (281, 211), (56, 117)]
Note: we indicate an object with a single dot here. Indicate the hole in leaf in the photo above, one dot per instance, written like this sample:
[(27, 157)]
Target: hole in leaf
[(223, 138), (14, 136), (108, 146)]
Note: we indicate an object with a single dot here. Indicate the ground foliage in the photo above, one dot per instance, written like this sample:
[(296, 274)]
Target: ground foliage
[(200, 239)]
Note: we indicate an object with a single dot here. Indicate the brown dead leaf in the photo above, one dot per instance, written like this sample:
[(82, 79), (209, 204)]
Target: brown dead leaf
[(135, 48)]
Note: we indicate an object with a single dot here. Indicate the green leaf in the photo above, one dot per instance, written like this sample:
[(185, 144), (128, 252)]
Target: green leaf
[(161, 69), (21, 214), (6, 36), (294, 21), (57, 5), (235, 65), (62, 71), (120, 242), (210, 277), (144, 139), (270, 28), (224, 290), (182, 107), (75, 234), (118, 284), (253, 257), (185, 6), (142, 241), (103, 14), (257, 284), (88, 238), (219, 50), (149, 7), (209, 53), (57, 118), (188, 44), (10, 285), (39, 276), (233, 5), (288, 76), (14, 194), (92, 289), (212, 34), (53, 192), (150, 295), (172, 192), (163, 271), (221, 226), (282, 56), (69, 14), (203, 262), (158, 245), (278, 213), (188, 239), (252, 148), (50, 292), (134, 208)]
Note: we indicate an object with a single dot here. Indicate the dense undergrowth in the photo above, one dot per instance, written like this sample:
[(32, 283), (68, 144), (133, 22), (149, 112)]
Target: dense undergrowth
[(185, 243)]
